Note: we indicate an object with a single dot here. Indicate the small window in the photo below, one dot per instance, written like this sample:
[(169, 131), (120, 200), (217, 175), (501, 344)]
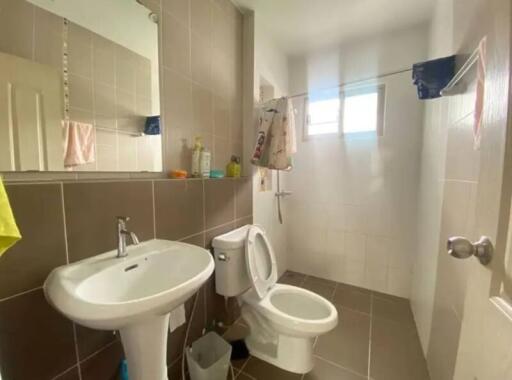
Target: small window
[(323, 116), (350, 112)]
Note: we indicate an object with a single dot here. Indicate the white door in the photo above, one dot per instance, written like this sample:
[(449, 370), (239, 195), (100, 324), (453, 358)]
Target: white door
[(30, 116), (485, 346)]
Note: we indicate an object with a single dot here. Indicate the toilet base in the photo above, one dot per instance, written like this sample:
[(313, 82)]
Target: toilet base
[(289, 353)]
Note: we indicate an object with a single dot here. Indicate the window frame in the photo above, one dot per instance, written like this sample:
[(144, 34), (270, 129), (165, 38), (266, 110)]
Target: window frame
[(344, 92)]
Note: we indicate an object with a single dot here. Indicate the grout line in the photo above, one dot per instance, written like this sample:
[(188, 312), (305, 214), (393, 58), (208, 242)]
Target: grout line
[(154, 209), (76, 352), (20, 294), (66, 371), (334, 290), (204, 208), (98, 351), (370, 337), (240, 370), (63, 204), (337, 365)]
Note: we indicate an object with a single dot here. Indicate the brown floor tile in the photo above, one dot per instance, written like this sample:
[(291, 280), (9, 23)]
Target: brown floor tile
[(322, 281), (292, 278), (236, 332), (327, 371), (392, 308), (353, 298), (261, 370), (244, 376), (347, 345), (319, 288), (396, 352)]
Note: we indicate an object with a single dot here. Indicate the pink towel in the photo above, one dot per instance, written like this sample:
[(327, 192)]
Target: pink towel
[(79, 142), (480, 92)]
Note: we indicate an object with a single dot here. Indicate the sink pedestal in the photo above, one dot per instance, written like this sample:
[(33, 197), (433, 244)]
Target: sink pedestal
[(145, 347)]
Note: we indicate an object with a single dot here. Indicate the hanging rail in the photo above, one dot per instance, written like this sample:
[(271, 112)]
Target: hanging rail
[(122, 131)]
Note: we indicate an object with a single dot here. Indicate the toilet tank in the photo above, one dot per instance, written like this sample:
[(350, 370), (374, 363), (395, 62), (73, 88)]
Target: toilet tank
[(231, 277)]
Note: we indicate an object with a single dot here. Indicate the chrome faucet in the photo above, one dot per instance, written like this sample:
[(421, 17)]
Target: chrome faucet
[(122, 233)]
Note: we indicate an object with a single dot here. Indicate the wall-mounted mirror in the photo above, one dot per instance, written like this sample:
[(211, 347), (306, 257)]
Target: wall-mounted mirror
[(79, 86)]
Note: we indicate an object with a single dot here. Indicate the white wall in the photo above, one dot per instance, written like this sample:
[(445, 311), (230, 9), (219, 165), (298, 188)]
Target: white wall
[(353, 209), (270, 66), (431, 184)]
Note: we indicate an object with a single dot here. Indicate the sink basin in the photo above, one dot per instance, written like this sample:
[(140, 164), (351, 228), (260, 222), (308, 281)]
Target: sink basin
[(134, 295)]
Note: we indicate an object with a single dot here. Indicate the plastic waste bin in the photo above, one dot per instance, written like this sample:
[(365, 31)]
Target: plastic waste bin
[(209, 358)]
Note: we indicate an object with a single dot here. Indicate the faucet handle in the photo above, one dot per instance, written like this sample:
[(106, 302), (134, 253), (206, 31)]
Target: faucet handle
[(121, 221)]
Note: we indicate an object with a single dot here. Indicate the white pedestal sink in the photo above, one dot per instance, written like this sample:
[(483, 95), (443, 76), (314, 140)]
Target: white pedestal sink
[(134, 295)]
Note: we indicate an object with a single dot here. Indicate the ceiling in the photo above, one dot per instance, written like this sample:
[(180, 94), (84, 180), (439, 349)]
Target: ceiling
[(298, 26)]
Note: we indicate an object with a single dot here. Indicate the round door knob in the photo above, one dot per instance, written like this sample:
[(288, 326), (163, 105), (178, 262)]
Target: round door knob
[(462, 248)]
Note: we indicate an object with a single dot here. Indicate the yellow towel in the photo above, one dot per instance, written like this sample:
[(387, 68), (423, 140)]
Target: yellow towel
[(9, 232)]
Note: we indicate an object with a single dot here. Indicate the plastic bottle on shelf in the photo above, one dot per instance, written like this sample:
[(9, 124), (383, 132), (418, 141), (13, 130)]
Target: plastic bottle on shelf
[(205, 163), (196, 157)]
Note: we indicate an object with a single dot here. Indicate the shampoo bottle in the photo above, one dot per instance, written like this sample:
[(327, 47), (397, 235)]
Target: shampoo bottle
[(234, 169), (205, 163), (196, 158)]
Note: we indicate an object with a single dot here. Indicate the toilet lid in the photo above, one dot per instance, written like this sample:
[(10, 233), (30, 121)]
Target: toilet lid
[(260, 260)]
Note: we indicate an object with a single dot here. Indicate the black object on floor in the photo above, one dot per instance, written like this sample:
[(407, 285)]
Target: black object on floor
[(239, 350)]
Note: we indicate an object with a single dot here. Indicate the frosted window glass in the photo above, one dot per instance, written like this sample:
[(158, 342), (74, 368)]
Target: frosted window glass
[(360, 113), (324, 116)]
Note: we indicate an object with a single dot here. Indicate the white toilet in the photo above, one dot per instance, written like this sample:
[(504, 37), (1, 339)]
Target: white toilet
[(284, 320)]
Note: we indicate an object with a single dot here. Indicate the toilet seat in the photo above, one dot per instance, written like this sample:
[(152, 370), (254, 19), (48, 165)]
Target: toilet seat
[(260, 261), (295, 311)]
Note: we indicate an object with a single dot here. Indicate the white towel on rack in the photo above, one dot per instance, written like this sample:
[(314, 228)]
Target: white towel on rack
[(276, 141), (79, 143)]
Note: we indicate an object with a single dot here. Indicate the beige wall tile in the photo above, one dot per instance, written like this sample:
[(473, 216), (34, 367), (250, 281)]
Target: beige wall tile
[(104, 100), (126, 65), (221, 153), (80, 92), (79, 51), (176, 44), (177, 101), (202, 108), (127, 149), (17, 28), (104, 60), (201, 17), (221, 117), (179, 9), (201, 56), (48, 43), (243, 188)]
